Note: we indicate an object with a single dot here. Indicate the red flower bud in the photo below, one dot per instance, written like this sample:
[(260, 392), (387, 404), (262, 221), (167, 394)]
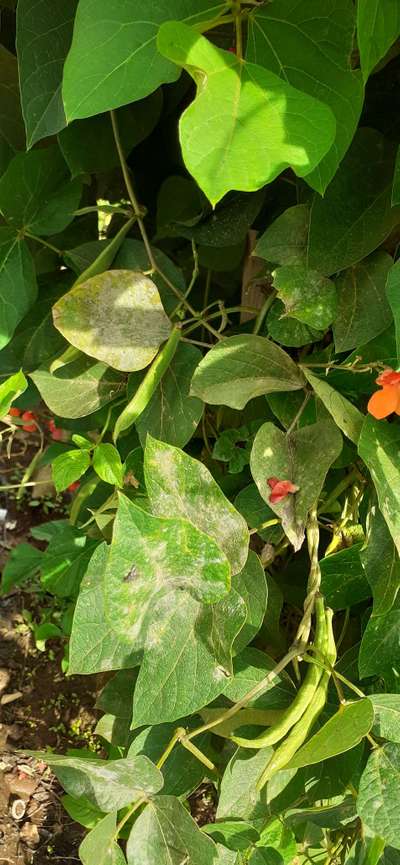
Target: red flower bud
[(280, 489)]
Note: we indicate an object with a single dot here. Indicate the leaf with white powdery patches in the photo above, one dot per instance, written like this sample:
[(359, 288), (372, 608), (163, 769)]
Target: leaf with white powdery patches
[(116, 317), (346, 416), (363, 310), (78, 388), (292, 457), (165, 834), (177, 483), (99, 846)]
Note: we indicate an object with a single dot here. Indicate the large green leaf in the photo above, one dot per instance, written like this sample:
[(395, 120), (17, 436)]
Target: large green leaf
[(69, 467), (172, 415), (355, 216), (166, 834), (309, 46), (188, 655), (380, 649), (307, 296), (116, 317), (341, 733), (347, 417), (251, 585), (343, 580), (292, 457), (363, 310), (37, 194), (239, 798), (113, 58), (380, 561), (289, 331), (18, 287), (66, 559), (378, 26), (379, 794), (393, 294), (149, 557), (78, 388), (379, 448), (285, 240), (182, 771), (96, 644), (177, 483), (44, 33), (242, 107), (109, 785), (12, 133), (387, 716), (10, 389), (242, 367), (99, 847)]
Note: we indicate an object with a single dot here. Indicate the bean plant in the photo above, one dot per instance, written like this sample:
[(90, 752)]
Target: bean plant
[(200, 332)]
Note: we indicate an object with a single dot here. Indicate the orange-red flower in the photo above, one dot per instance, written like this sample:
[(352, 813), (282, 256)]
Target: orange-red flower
[(387, 400), (28, 417), (280, 489), (73, 487), (56, 432), (14, 411)]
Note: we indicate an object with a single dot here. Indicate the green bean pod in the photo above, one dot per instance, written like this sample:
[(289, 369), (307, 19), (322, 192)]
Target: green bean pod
[(303, 697), (299, 733), (147, 387), (107, 255)]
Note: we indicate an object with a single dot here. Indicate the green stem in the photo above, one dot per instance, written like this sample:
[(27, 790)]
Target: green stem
[(339, 489), (43, 243), (265, 525), (263, 311)]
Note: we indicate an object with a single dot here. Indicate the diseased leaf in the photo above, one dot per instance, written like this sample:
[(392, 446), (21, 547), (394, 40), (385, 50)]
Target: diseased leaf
[(114, 60), (260, 113), (289, 331), (251, 585), (44, 33), (12, 133), (99, 847), (387, 716), (379, 447), (10, 390), (166, 834), (108, 784), (116, 317), (177, 483), (343, 580), (133, 256), (172, 415), (292, 458), (242, 367), (285, 240), (378, 26), (96, 644), (78, 388), (37, 194), (363, 310), (347, 417), (307, 296), (309, 46), (18, 288), (341, 733), (355, 215), (69, 467), (381, 564), (378, 794)]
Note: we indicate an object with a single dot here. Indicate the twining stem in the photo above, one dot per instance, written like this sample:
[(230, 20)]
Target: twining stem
[(299, 413), (314, 579), (142, 228), (263, 311)]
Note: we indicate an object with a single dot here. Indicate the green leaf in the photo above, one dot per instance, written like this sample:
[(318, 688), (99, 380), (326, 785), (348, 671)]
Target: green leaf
[(96, 644), (255, 511), (308, 296), (119, 54), (292, 457), (251, 585), (44, 33), (355, 215), (277, 836), (37, 194), (381, 564), (234, 834), (116, 317), (188, 655), (10, 390), (107, 464), (285, 240), (165, 834), (289, 331), (18, 287), (380, 648), (227, 224), (88, 146), (379, 447), (310, 47), (69, 467), (249, 669), (341, 733), (238, 798), (65, 561), (241, 107), (242, 367), (78, 388), (387, 716), (378, 795), (23, 563), (347, 417), (392, 293), (344, 582), (12, 133), (110, 785), (378, 26), (99, 847), (172, 415), (396, 181), (182, 772), (177, 483), (133, 256), (363, 310), (82, 811)]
